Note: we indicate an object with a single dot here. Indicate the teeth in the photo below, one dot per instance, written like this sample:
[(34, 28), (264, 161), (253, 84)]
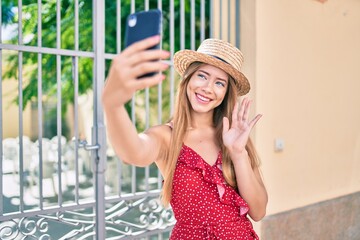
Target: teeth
[(202, 98)]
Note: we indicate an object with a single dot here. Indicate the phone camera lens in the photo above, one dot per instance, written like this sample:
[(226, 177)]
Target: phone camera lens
[(132, 20)]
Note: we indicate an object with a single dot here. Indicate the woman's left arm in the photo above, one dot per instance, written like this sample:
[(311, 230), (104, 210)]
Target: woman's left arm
[(250, 185), (249, 181)]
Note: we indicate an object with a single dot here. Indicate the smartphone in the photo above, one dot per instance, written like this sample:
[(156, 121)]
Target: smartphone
[(144, 24)]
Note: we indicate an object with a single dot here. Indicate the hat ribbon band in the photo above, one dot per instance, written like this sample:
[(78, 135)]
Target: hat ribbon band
[(219, 58)]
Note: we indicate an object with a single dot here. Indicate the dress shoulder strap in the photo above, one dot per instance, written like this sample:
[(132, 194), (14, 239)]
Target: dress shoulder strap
[(170, 124)]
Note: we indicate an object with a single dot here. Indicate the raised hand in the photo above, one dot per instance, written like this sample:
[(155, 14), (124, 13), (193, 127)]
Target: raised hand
[(126, 67), (236, 136)]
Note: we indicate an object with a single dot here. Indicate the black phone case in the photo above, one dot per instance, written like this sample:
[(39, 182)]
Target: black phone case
[(141, 25), (147, 24)]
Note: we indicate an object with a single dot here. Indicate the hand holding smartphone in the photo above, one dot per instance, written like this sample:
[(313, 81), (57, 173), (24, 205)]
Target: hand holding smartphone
[(141, 25)]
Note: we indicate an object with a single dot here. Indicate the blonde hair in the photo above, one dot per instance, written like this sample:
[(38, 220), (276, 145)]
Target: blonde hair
[(182, 121)]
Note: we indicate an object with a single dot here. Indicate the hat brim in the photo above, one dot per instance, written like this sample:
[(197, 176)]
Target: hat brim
[(183, 59)]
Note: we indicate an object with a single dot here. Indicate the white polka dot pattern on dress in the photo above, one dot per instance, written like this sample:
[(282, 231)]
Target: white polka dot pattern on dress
[(204, 206)]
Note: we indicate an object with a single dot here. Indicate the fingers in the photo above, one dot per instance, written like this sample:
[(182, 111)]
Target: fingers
[(141, 45), (255, 120), (147, 56), (225, 125), (246, 104), (148, 81), (234, 116), (133, 62), (139, 51), (243, 114), (241, 110), (148, 67), (138, 60)]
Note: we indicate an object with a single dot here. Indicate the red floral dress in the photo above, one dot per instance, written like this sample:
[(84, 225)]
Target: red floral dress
[(204, 206)]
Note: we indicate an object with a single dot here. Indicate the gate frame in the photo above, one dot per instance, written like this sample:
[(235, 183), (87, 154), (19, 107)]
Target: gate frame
[(98, 144)]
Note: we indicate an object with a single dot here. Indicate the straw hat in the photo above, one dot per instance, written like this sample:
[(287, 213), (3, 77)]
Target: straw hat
[(218, 53)]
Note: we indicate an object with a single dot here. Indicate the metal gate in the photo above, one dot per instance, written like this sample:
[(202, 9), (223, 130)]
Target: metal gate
[(59, 176)]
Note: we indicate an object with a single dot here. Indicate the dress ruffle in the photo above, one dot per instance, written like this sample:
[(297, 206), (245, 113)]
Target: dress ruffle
[(213, 174)]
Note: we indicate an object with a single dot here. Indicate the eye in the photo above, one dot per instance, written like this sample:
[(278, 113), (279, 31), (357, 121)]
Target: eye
[(202, 76), (220, 83)]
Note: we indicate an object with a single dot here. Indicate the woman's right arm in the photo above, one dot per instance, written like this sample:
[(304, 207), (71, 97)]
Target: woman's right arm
[(122, 82)]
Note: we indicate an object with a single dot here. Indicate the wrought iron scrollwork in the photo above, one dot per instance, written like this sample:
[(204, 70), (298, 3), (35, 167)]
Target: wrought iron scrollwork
[(147, 215), (26, 227), (123, 219)]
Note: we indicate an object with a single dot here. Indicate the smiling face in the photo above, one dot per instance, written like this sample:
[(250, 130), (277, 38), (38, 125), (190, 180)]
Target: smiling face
[(207, 88)]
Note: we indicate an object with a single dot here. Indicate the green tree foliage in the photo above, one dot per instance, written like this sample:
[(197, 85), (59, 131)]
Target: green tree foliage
[(30, 31), (50, 70), (7, 14)]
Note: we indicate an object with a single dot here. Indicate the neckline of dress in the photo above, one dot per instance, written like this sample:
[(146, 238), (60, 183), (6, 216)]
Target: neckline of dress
[(216, 161)]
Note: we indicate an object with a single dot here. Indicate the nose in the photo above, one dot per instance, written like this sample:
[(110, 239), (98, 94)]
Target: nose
[(208, 87)]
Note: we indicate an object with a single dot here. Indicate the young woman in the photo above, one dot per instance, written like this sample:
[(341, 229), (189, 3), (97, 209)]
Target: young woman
[(210, 167)]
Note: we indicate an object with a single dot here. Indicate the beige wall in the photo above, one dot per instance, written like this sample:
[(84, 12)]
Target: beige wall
[(220, 20), (11, 111), (304, 57), (30, 124), (303, 60)]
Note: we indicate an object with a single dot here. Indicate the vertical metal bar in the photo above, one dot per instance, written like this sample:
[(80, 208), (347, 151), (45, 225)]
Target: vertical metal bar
[(202, 20), (220, 19), (119, 170), (133, 118), (133, 168), (159, 5), (172, 47), (133, 179), (1, 138), (58, 97), (147, 117), (76, 103), (75, 66), (211, 18), (147, 124), (21, 147), (118, 50), (147, 174), (229, 21), (1, 126), (40, 112), (192, 25), (160, 84), (237, 23), (118, 26), (132, 6), (76, 23), (99, 156), (159, 110), (20, 39), (182, 24), (0, 32), (159, 98)]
